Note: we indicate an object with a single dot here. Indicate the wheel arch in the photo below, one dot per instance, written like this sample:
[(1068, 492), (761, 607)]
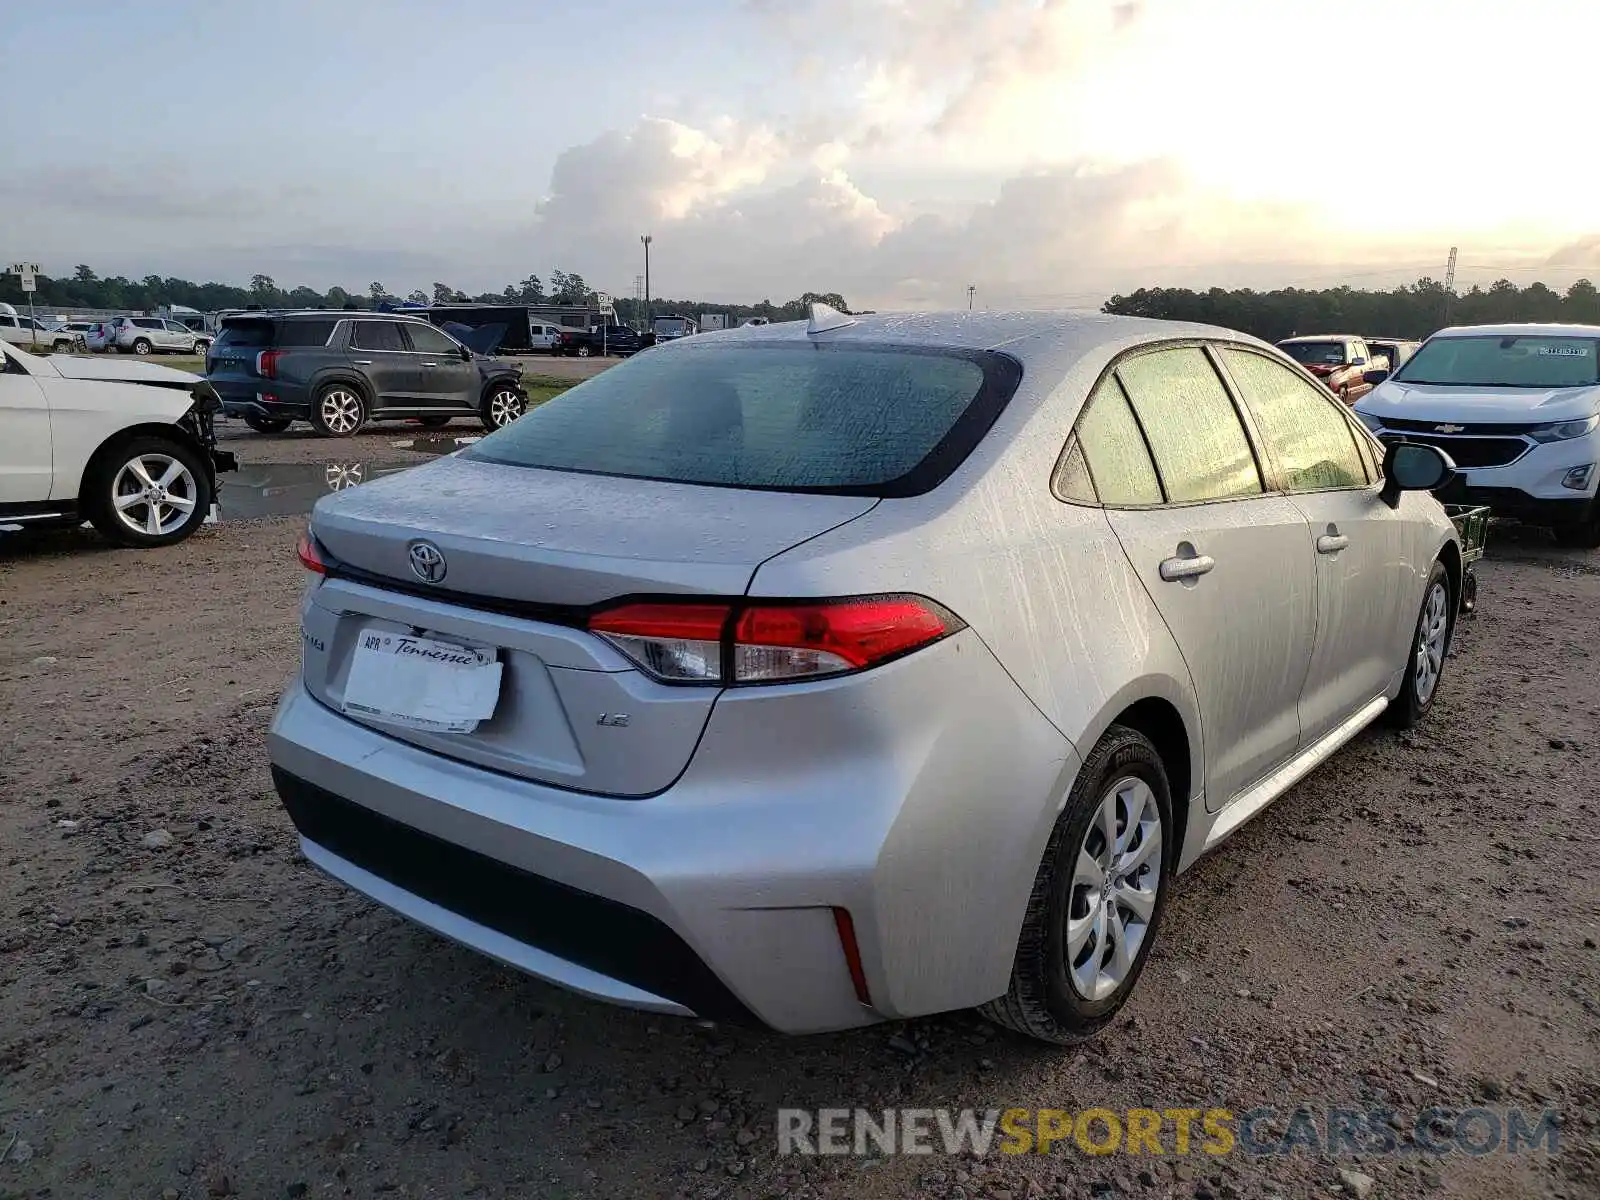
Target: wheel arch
[(496, 381), (329, 376), (1450, 556), (96, 462), (1163, 710)]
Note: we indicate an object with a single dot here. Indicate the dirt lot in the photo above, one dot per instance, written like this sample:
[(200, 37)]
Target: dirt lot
[(187, 1009)]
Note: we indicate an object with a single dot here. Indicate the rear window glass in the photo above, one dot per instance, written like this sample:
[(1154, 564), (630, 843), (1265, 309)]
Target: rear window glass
[(1496, 361), (245, 335), (305, 333), (855, 419)]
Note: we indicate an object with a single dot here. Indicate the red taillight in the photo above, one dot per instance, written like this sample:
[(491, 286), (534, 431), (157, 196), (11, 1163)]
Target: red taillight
[(758, 642), (852, 953), (311, 555), (267, 363)]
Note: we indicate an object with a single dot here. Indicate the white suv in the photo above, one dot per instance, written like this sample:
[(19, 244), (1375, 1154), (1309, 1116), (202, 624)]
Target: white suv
[(127, 446), (1517, 407)]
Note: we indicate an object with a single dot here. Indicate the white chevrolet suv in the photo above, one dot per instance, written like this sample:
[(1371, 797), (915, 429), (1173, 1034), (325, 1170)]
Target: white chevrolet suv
[(128, 446), (1517, 409)]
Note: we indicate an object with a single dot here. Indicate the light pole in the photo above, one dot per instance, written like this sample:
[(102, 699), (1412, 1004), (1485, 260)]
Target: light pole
[(646, 239), (972, 290)]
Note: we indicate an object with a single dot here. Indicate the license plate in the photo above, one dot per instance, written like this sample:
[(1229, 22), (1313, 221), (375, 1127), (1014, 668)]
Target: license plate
[(420, 683)]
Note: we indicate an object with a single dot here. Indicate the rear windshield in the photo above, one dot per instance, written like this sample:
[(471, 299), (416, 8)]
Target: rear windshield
[(1320, 354), (259, 334), (245, 335), (1521, 361), (851, 419)]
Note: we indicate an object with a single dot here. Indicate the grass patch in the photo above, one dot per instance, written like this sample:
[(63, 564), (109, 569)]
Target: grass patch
[(538, 394)]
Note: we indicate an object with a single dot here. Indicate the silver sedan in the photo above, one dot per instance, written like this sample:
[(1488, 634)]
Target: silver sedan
[(831, 672)]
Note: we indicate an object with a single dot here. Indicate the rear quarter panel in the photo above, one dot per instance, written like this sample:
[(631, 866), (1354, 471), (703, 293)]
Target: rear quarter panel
[(1047, 588)]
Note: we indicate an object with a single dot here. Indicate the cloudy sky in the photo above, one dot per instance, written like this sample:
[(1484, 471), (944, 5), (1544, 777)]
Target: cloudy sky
[(1045, 151)]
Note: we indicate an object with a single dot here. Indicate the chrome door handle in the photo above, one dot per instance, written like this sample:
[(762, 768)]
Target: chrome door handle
[(362, 362), (1174, 569), (1332, 543), (430, 364)]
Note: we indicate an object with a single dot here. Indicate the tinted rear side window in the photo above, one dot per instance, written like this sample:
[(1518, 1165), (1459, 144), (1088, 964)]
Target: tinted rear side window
[(855, 419), (299, 334), (245, 335), (377, 335)]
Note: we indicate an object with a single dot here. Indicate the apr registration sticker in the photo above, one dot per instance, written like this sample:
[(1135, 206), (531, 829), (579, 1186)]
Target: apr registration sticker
[(1565, 351)]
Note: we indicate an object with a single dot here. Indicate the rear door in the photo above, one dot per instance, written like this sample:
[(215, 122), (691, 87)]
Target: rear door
[(443, 378), (1365, 581), (25, 450), (380, 349), (1227, 563)]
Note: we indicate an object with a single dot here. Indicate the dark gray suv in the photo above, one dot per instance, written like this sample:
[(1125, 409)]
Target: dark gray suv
[(338, 370)]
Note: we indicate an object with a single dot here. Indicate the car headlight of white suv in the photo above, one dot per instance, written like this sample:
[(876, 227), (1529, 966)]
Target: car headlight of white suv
[(1564, 431)]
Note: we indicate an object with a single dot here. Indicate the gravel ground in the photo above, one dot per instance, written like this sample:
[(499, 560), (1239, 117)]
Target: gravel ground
[(188, 1010)]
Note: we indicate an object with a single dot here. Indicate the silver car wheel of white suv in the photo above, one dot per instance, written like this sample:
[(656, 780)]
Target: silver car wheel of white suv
[(154, 494)]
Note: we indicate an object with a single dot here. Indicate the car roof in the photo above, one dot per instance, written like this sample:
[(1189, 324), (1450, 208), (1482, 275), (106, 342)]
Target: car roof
[(1526, 329), (325, 314), (1026, 336), (1323, 337)]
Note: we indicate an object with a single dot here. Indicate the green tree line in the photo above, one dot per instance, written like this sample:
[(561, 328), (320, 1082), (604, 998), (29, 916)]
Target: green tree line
[(1413, 311), (85, 288)]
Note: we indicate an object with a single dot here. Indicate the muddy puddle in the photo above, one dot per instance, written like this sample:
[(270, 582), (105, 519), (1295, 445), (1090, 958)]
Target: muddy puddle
[(288, 489)]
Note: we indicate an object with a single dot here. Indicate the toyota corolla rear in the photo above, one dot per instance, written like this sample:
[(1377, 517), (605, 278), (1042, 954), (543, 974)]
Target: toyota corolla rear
[(548, 708)]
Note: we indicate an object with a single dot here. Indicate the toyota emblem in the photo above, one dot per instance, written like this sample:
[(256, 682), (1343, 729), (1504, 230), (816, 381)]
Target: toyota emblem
[(427, 562)]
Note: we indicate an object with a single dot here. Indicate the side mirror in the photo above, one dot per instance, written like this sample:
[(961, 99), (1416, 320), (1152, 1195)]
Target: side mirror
[(466, 354), (1414, 467), (1375, 377)]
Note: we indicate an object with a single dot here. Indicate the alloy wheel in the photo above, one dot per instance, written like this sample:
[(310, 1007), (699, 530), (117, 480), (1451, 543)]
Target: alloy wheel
[(505, 406), (341, 410), (1432, 630), (154, 494), (1115, 882)]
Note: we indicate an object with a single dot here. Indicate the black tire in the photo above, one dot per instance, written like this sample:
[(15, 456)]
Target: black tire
[(335, 399), (142, 347), (584, 352), (110, 477), (266, 424), (62, 347), (1410, 706), (1042, 1001), (433, 422), (502, 404)]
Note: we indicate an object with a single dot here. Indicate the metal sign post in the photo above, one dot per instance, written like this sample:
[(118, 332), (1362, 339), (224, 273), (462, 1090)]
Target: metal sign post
[(603, 303), (26, 272)]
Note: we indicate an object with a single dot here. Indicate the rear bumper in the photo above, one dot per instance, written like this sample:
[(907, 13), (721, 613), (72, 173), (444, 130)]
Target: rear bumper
[(921, 807), (263, 398)]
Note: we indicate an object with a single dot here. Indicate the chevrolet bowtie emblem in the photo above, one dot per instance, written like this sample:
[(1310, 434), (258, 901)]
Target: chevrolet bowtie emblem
[(1448, 428)]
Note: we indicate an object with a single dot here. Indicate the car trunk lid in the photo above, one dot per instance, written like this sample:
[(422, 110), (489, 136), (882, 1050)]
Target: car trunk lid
[(526, 553)]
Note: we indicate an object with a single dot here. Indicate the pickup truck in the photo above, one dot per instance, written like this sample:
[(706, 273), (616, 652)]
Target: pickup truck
[(612, 339)]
